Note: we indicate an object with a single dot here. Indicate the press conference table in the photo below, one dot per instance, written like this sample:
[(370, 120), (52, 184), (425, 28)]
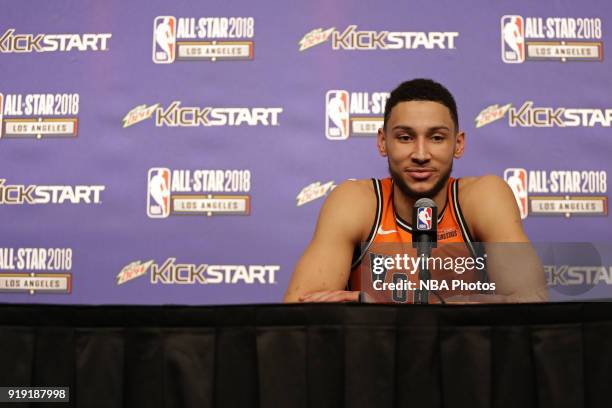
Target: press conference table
[(339, 355)]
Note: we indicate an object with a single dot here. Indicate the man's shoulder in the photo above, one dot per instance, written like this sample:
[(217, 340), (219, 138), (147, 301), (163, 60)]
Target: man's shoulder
[(351, 207), (489, 206), (475, 188), (353, 194), (353, 189)]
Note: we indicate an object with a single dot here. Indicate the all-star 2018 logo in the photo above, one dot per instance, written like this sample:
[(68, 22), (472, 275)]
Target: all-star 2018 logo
[(202, 39), (202, 192), (550, 39), (38, 116), (559, 192), (36, 270), (353, 113)]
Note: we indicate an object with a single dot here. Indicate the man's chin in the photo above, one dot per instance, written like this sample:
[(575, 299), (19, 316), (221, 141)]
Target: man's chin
[(420, 189)]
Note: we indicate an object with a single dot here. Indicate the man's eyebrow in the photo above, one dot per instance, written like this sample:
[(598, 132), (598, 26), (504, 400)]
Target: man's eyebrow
[(410, 129)]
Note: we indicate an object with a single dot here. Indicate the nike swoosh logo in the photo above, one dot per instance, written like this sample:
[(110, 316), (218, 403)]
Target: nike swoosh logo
[(381, 231)]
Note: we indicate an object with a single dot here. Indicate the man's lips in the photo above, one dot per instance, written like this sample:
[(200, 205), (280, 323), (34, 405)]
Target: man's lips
[(420, 173)]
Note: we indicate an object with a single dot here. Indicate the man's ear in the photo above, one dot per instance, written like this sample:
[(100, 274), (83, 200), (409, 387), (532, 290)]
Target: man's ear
[(459, 145), (380, 141)]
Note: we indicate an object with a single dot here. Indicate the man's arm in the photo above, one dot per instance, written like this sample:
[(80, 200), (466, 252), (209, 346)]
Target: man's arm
[(323, 270), (490, 208)]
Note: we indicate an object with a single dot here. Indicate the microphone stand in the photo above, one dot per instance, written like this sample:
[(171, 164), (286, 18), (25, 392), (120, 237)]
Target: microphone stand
[(421, 295), (424, 239)]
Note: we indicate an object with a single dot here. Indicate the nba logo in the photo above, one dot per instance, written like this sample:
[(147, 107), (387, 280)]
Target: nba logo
[(517, 180), (424, 218), (158, 193), (337, 115), (164, 40), (513, 39)]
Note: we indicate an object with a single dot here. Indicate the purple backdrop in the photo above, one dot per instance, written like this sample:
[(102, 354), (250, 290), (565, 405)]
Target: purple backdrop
[(162, 152)]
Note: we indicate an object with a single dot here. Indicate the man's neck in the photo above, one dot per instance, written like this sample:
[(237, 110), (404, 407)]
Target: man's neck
[(404, 204)]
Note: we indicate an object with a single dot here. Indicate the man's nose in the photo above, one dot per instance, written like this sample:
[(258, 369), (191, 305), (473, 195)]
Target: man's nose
[(421, 151)]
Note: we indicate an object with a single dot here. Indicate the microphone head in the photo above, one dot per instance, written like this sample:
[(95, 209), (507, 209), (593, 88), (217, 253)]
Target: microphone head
[(425, 202), (424, 217)]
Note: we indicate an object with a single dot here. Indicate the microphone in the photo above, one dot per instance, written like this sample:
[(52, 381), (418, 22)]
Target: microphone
[(424, 225), (424, 238)]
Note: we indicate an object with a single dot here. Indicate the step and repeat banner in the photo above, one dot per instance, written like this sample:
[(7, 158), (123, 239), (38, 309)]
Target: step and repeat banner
[(157, 152)]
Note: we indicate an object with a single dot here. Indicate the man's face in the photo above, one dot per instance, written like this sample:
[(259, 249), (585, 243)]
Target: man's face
[(420, 142)]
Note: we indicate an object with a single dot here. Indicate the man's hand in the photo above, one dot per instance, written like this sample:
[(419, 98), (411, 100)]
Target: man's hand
[(330, 296)]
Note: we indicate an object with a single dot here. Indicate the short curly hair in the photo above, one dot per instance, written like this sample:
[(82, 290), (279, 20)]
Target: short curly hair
[(421, 89)]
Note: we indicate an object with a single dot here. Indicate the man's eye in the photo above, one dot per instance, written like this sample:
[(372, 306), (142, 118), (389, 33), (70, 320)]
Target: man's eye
[(404, 138), (437, 138)]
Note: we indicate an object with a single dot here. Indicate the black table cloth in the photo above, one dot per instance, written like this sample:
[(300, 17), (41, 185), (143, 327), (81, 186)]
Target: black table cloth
[(339, 355)]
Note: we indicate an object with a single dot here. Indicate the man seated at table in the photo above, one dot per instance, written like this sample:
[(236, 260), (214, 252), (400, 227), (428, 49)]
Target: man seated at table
[(420, 138)]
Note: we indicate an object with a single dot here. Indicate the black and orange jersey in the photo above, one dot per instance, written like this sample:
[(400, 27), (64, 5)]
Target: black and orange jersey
[(390, 232)]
